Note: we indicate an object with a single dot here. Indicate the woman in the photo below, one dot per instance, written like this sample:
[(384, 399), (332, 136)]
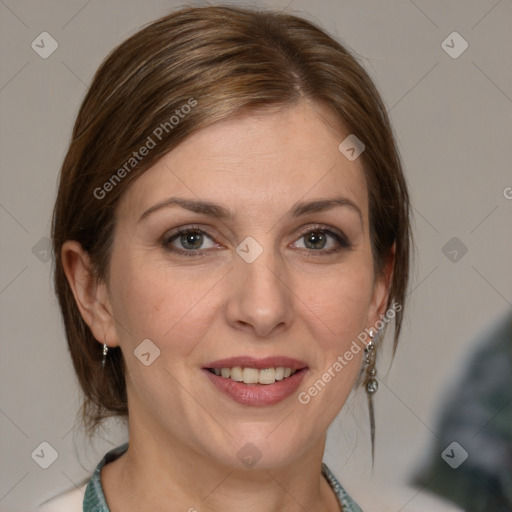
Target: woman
[(231, 239)]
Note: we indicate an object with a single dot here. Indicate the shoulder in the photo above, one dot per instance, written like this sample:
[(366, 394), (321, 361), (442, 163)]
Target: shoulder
[(386, 497), (70, 501), (89, 495)]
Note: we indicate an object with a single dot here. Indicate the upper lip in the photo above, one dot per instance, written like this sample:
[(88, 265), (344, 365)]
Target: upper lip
[(260, 364)]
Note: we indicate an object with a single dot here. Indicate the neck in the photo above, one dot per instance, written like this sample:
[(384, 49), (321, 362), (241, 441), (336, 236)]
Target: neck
[(162, 474)]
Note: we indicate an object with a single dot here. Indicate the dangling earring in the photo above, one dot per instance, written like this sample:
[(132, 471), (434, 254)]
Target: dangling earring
[(370, 383), (370, 354), (105, 351)]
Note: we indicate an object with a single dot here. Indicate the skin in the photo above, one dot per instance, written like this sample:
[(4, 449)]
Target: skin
[(293, 300)]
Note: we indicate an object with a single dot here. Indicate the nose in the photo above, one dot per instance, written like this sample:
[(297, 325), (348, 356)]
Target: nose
[(261, 299)]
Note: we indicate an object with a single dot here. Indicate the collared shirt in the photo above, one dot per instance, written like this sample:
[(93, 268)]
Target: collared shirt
[(94, 498)]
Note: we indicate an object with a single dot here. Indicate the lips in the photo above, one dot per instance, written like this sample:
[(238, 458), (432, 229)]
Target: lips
[(253, 393)]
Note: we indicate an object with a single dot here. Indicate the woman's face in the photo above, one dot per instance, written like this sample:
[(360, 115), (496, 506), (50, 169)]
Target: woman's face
[(277, 276)]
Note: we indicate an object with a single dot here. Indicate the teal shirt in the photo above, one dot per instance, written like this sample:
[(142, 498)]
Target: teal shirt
[(94, 498)]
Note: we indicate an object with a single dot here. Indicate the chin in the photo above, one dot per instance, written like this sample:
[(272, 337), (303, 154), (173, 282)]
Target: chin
[(261, 447)]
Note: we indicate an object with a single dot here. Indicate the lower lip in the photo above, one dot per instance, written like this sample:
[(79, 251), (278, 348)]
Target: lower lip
[(258, 395)]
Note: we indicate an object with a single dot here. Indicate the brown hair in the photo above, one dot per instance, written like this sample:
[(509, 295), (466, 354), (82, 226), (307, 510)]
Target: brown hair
[(220, 61)]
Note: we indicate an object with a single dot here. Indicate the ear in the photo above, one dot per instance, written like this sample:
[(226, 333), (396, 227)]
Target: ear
[(91, 296), (381, 289)]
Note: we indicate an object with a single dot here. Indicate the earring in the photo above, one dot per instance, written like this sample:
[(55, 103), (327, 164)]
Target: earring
[(105, 350), (370, 383)]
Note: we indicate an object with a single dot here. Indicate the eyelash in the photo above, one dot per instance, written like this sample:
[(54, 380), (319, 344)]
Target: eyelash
[(340, 239)]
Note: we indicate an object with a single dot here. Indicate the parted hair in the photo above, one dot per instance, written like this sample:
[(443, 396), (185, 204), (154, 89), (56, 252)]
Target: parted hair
[(221, 61)]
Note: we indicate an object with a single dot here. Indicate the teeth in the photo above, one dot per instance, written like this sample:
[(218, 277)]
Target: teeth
[(236, 374), (253, 375), (267, 376)]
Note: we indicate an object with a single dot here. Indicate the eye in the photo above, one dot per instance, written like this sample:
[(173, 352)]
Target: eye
[(317, 239), (190, 240)]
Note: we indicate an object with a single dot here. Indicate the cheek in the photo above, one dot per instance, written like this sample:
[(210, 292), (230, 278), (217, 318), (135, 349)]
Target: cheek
[(339, 303), (338, 315), (160, 303)]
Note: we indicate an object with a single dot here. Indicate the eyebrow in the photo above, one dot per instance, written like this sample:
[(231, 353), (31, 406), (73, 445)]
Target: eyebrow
[(219, 212)]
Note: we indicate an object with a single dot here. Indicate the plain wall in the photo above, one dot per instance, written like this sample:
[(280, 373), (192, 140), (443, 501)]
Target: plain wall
[(452, 119)]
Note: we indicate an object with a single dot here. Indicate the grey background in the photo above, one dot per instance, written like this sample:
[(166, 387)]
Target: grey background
[(452, 118)]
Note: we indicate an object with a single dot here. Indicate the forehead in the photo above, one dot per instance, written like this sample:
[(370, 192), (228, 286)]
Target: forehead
[(259, 162)]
